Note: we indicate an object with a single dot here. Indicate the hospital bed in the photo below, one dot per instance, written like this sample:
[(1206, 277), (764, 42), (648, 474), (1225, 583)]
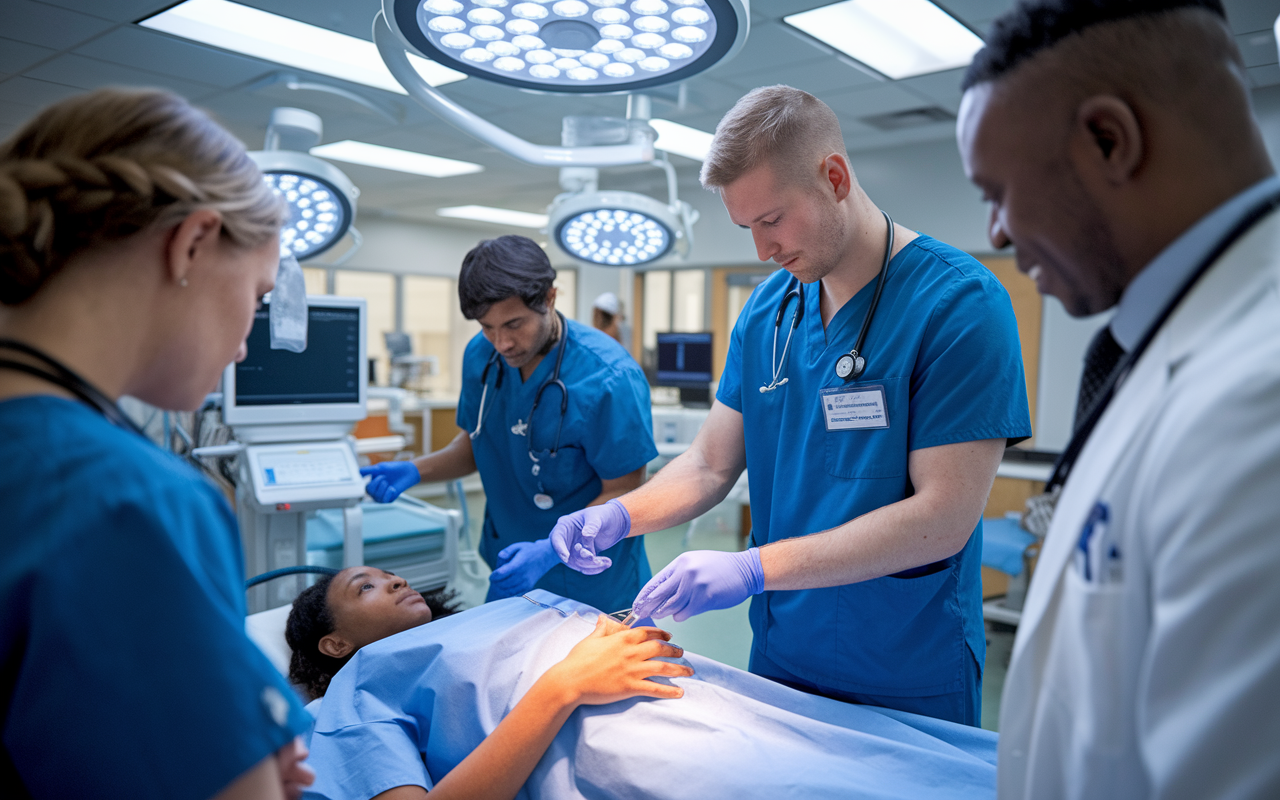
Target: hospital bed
[(439, 689)]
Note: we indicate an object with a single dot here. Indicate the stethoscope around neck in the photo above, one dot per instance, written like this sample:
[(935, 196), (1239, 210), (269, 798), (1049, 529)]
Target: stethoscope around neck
[(541, 499), (59, 374), (850, 365)]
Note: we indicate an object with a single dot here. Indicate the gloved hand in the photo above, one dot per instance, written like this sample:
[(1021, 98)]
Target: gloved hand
[(701, 580), (520, 566), (580, 536), (390, 478)]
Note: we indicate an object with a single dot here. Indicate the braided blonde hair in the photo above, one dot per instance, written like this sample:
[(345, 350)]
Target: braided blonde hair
[(102, 166)]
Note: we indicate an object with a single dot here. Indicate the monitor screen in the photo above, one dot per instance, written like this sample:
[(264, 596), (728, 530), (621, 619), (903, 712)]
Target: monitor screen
[(326, 372), (323, 384), (684, 359)]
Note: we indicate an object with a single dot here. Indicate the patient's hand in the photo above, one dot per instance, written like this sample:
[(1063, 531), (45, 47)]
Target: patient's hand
[(294, 774), (613, 663)]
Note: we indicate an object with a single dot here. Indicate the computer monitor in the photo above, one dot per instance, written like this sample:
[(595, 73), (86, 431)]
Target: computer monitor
[(326, 383), (684, 361)]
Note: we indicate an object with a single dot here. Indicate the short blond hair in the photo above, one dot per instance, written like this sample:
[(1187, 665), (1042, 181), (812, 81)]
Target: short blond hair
[(102, 166), (789, 129)]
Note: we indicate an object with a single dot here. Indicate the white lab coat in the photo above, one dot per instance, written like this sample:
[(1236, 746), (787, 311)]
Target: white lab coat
[(1160, 676)]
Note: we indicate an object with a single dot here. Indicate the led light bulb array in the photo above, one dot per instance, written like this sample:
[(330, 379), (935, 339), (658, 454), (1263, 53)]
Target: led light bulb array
[(615, 237), (316, 218), (575, 45)]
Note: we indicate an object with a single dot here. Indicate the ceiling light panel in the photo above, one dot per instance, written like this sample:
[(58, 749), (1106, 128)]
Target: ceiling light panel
[(257, 33), (573, 46), (898, 38), (500, 216), (681, 139), (374, 155)]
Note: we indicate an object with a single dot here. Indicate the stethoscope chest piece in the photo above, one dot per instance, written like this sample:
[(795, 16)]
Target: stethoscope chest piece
[(543, 501), (849, 366)]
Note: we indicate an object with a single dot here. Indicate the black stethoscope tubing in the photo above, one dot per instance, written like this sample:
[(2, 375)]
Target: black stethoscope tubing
[(63, 376), (1062, 468), (554, 380), (850, 365)]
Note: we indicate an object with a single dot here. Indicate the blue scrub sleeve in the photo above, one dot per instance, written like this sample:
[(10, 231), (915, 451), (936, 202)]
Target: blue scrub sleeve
[(968, 382), (618, 435), (151, 688), (729, 392)]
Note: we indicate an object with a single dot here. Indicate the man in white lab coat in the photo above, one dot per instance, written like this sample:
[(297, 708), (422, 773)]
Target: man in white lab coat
[(1116, 145)]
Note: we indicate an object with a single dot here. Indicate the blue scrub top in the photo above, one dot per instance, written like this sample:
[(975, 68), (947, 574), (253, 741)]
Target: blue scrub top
[(127, 671), (944, 345), (607, 433)]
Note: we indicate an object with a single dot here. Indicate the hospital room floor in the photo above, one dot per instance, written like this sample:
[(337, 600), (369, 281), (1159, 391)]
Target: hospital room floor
[(726, 635)]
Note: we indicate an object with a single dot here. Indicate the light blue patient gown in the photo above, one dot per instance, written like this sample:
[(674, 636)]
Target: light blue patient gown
[(408, 709)]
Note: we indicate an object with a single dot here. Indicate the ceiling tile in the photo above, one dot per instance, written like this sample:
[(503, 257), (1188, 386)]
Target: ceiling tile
[(820, 77), (149, 50), (1258, 48), (1268, 75), (33, 94), (49, 26), (775, 45), (116, 10), (973, 11), (17, 56), (942, 87), (882, 99), (1246, 16), (89, 73)]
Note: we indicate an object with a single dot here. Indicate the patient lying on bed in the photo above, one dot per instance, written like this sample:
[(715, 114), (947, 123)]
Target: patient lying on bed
[(407, 710)]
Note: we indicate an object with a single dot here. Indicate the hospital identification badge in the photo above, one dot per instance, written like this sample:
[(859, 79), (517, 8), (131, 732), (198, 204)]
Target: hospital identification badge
[(854, 409)]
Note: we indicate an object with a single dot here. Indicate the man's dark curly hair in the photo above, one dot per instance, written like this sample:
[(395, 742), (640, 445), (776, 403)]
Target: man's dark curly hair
[(1036, 25), (311, 620)]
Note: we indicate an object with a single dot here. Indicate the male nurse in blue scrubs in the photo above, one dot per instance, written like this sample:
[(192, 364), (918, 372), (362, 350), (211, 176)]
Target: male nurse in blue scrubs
[(556, 417), (867, 492)]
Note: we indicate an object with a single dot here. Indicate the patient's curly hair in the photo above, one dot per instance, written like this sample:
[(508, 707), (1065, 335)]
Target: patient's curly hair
[(102, 166), (311, 620)]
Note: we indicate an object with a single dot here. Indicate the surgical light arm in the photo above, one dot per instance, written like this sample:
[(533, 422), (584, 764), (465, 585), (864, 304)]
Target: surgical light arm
[(397, 61)]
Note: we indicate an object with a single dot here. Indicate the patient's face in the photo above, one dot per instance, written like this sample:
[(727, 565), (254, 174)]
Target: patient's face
[(369, 604)]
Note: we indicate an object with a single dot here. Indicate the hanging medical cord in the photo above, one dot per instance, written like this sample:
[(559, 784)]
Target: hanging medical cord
[(554, 380), (484, 393), (778, 367), (60, 375), (1062, 469), (851, 365)]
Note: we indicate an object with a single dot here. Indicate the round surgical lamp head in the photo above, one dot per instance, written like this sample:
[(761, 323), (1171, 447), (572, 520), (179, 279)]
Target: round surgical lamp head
[(573, 46), (321, 200), (616, 229)]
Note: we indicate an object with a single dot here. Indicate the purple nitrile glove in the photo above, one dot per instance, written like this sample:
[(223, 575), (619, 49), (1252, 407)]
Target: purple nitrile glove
[(578, 538), (390, 478), (701, 580), (520, 566)]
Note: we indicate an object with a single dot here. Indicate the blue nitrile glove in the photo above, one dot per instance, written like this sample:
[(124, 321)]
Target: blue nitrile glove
[(390, 478), (579, 537), (520, 566), (701, 580)]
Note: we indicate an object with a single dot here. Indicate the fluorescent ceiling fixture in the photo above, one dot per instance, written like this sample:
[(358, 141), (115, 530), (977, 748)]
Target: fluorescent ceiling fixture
[(899, 38), (501, 216), (681, 139), (260, 34), (375, 155)]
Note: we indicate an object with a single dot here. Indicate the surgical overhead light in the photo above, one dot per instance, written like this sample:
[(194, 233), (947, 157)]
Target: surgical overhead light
[(320, 198), (618, 229), (573, 46)]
